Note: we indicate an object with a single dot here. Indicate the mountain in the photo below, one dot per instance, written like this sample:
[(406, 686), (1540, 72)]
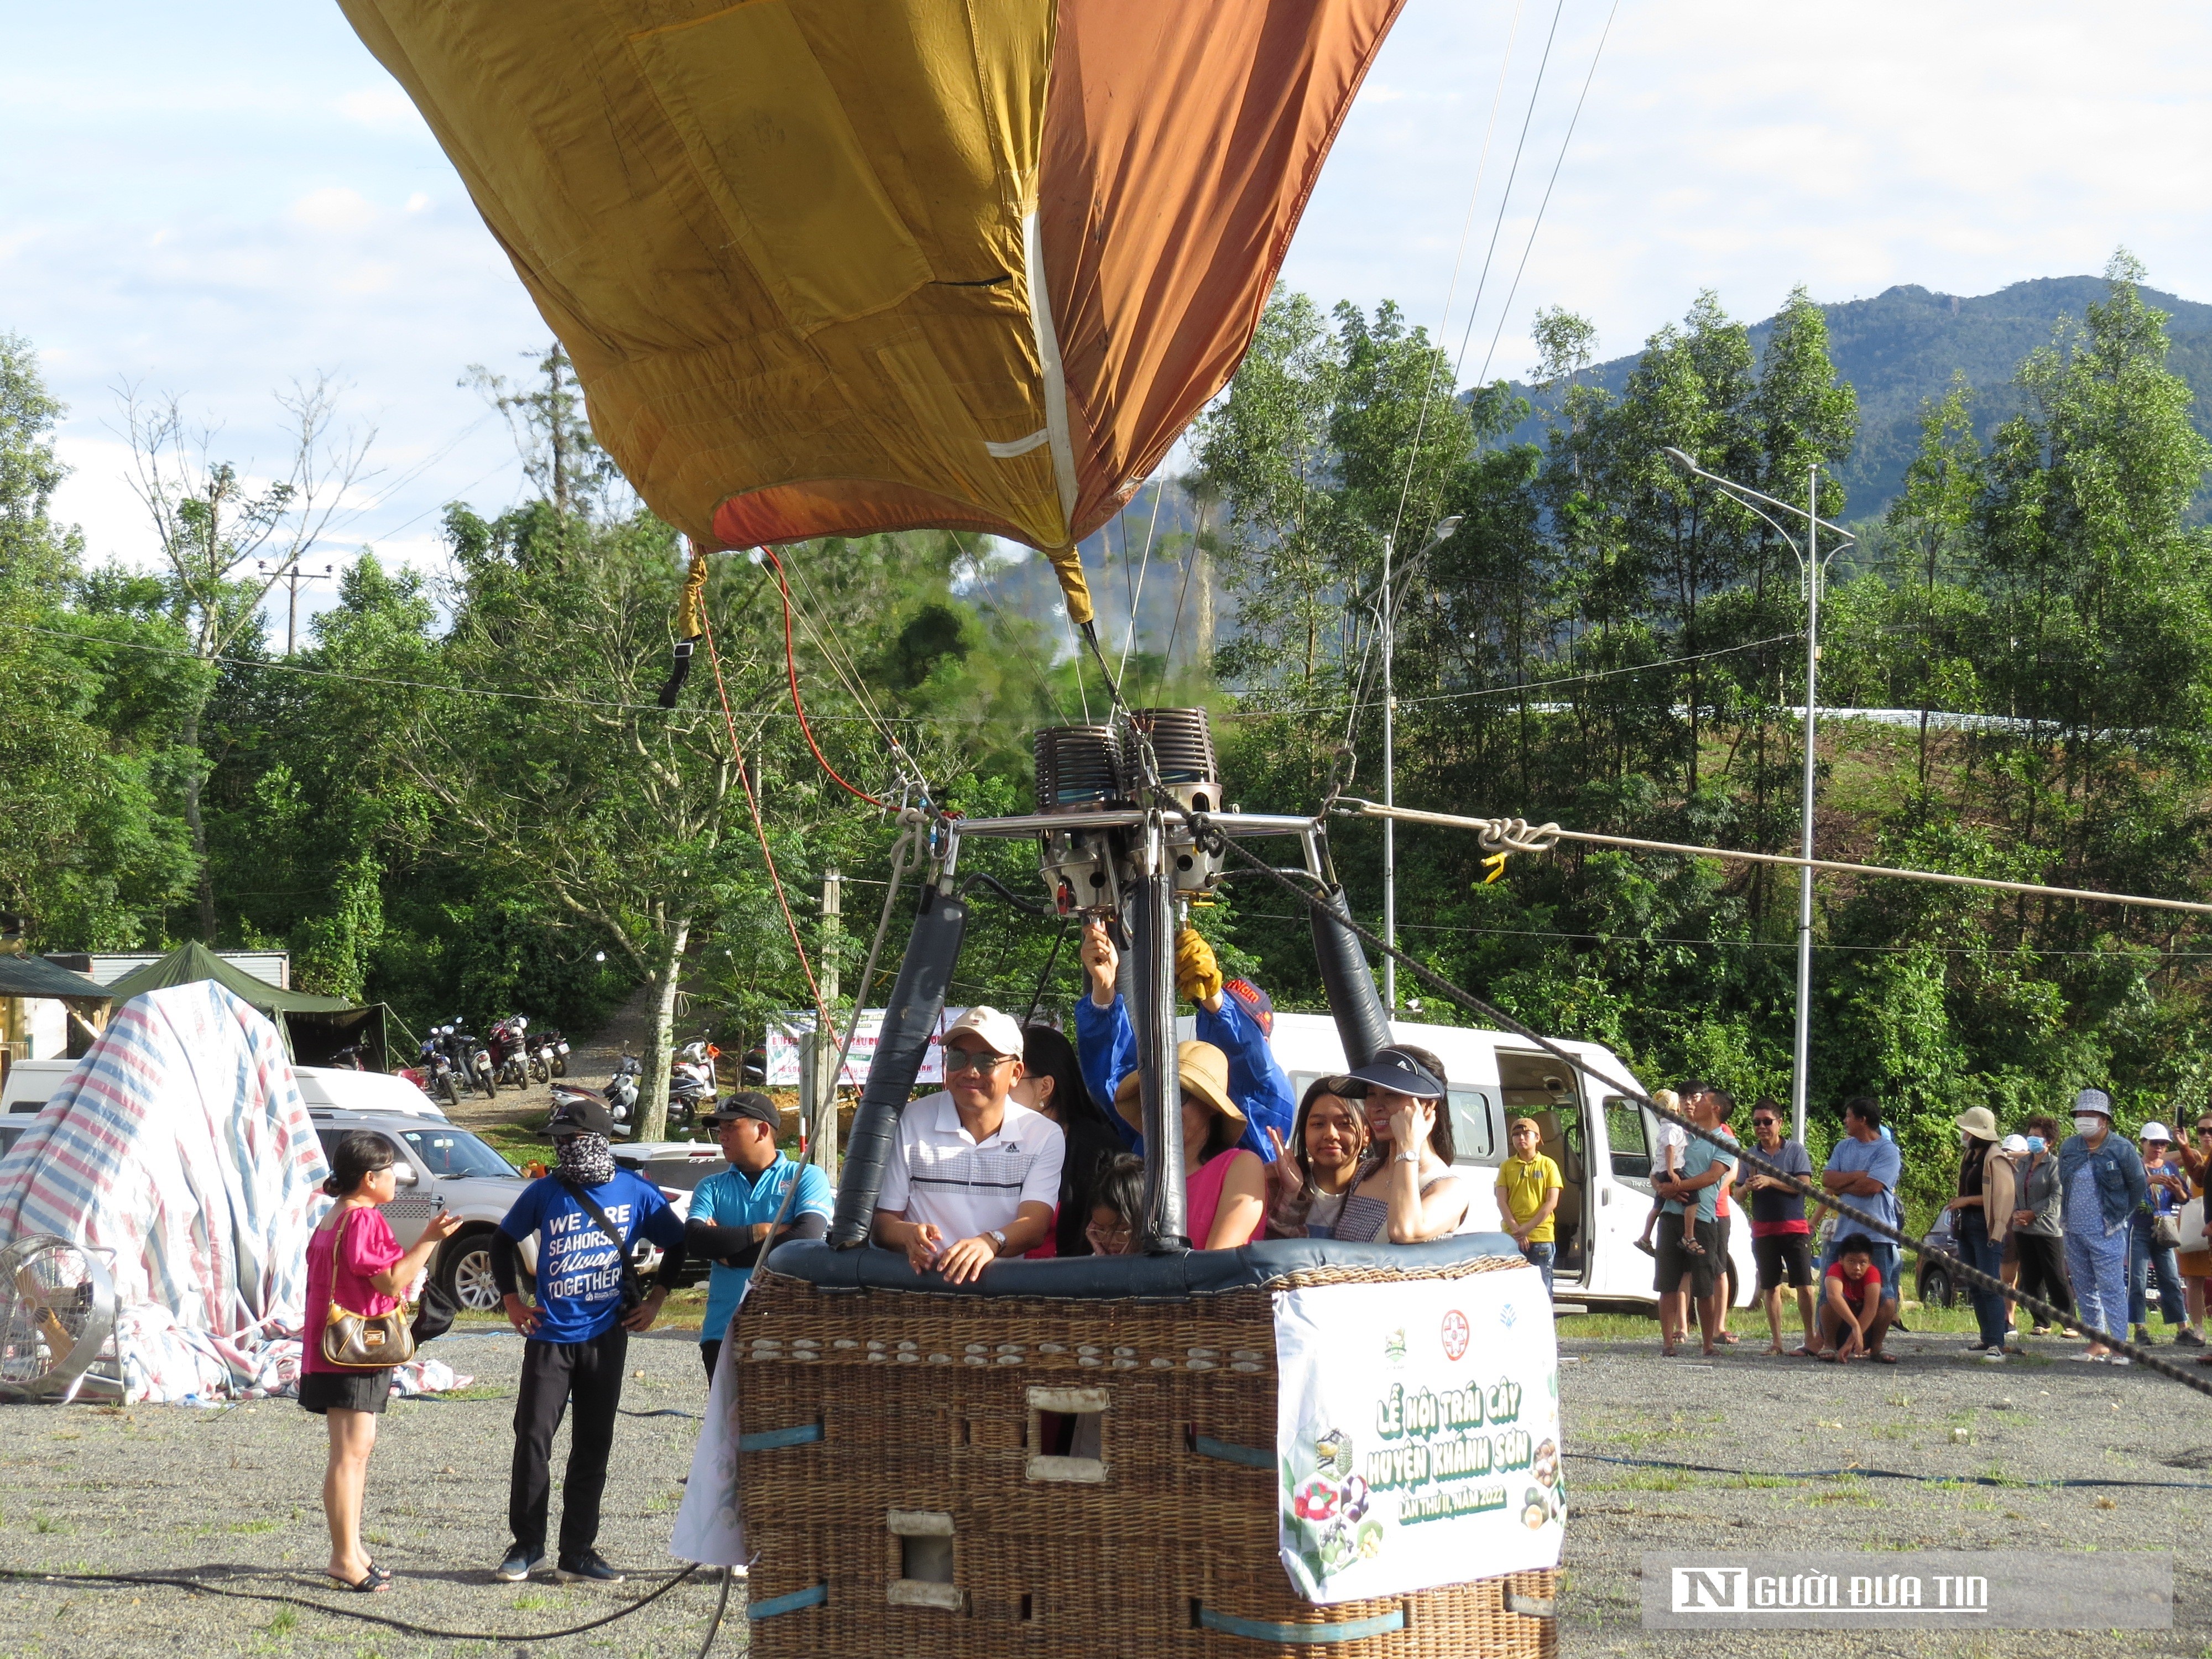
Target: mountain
[(1901, 347)]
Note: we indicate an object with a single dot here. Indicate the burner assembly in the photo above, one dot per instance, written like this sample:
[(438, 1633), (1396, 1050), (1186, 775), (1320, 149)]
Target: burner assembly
[(1092, 782)]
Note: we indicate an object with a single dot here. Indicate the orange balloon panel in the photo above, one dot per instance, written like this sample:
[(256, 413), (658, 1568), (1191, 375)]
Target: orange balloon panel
[(835, 266)]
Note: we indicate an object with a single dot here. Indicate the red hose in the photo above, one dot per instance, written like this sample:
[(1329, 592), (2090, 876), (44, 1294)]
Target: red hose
[(791, 667)]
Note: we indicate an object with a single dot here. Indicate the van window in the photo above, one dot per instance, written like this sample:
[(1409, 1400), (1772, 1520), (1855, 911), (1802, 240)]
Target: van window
[(1474, 1137), (1625, 1135)]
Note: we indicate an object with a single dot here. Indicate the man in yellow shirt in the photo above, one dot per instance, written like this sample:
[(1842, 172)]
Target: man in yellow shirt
[(1528, 1187)]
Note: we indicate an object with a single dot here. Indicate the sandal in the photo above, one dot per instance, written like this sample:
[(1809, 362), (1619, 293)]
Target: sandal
[(1691, 1247), (1882, 1358), (374, 1581), (1802, 1352), (1645, 1245)]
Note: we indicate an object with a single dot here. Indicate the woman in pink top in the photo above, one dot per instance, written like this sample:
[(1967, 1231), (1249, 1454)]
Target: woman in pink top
[(353, 1260), (1224, 1187)]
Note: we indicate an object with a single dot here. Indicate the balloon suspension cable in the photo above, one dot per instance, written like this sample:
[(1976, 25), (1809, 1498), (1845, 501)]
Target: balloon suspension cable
[(1503, 835), (1090, 630), (1747, 1156), (760, 829), (798, 707)]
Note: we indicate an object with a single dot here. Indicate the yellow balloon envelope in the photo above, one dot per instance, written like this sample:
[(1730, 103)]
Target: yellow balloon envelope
[(834, 266)]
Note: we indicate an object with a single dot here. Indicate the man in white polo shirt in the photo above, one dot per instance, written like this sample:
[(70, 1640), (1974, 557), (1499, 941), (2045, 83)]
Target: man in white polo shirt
[(973, 1177)]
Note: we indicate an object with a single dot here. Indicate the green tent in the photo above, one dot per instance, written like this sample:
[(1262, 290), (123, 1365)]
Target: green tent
[(313, 1028)]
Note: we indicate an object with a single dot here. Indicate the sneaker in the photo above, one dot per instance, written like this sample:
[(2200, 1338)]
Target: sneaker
[(2142, 1337), (590, 1567), (2119, 1359), (1993, 1356), (2040, 1330), (521, 1561), (2188, 1337)]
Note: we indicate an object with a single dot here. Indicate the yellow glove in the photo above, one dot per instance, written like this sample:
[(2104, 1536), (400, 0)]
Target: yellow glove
[(1198, 976)]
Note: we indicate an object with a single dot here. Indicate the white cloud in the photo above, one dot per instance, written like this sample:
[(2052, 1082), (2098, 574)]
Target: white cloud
[(334, 207)]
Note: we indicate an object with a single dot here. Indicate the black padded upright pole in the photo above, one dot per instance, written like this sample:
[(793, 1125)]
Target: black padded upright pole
[(1361, 1024), (917, 999), (1166, 1228)]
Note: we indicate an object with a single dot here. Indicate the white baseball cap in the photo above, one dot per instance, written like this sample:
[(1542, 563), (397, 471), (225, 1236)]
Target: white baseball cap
[(1000, 1032), (2013, 1143), (2153, 1131)]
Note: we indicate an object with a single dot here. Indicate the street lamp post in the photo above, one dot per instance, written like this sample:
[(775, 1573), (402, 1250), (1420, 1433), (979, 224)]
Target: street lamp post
[(1388, 602), (1810, 563)]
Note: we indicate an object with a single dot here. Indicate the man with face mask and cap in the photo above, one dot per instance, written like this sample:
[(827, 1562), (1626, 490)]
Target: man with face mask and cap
[(578, 1335), (2104, 1182)]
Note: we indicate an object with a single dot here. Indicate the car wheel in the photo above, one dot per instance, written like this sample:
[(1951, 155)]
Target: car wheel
[(1935, 1289), (467, 1276)]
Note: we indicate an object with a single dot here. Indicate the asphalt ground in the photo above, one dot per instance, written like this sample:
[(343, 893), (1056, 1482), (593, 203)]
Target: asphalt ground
[(235, 1492)]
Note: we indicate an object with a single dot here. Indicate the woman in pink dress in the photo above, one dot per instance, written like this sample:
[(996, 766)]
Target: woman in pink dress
[(1224, 1187), (353, 1260)]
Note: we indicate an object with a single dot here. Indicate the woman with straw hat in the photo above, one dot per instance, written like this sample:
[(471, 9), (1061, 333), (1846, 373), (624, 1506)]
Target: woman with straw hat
[(1224, 1187), (1981, 1214)]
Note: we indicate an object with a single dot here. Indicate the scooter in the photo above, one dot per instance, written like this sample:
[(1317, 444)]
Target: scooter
[(434, 1059), (509, 1045), (691, 1082), (472, 1059), (549, 1056)]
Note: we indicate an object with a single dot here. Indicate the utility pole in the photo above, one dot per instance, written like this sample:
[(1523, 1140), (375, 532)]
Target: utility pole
[(1801, 1048), (1389, 792), (822, 1152), (292, 576)]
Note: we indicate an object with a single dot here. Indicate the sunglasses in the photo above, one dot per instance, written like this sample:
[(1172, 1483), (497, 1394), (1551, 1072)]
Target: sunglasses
[(967, 1059), (1763, 1123)]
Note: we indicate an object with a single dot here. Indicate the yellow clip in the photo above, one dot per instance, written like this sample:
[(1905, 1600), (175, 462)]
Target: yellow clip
[(1496, 865)]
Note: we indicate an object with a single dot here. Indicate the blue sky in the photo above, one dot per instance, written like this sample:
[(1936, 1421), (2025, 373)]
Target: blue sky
[(211, 201)]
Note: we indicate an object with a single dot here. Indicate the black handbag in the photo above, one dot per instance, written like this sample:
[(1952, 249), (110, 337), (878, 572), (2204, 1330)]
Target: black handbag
[(633, 1293)]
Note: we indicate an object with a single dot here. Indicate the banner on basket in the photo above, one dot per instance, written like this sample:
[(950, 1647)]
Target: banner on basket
[(1417, 1433), (789, 1034)]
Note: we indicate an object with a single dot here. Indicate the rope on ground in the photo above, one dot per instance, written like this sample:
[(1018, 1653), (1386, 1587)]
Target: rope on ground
[(203, 1587), (1519, 835), (1884, 1475), (1214, 840)]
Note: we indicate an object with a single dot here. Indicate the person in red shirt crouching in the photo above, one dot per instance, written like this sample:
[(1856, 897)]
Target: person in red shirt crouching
[(1854, 1318)]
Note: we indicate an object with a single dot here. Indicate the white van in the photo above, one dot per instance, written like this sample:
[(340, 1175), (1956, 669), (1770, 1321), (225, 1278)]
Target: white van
[(1602, 1142)]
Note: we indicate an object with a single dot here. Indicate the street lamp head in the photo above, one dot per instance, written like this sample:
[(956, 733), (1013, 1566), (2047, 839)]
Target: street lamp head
[(1444, 529), (1680, 458)]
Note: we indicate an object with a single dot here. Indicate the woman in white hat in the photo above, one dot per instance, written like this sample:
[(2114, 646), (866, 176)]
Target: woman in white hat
[(1981, 1216), (1224, 1187), (2153, 1238)]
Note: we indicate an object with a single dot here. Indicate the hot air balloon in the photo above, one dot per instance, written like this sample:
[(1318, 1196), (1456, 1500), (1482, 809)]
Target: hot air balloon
[(836, 266)]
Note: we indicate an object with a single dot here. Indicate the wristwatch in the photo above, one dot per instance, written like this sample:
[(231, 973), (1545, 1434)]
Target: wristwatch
[(1407, 1158), (998, 1240)]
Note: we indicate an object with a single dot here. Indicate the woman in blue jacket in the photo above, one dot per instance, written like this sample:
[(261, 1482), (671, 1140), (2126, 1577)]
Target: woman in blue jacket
[(2104, 1182)]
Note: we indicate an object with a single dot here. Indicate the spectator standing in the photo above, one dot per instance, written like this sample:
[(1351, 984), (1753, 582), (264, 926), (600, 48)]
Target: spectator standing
[(1529, 1188), (1981, 1215), (2195, 1265), (2152, 1241), (1864, 1167), (2038, 1230), (355, 1264), (1705, 1165), (2103, 1181), (1781, 1236), (732, 1210), (578, 1335), (974, 1174)]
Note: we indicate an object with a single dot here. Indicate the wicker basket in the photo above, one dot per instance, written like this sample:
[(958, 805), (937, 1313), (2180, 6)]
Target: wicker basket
[(881, 1426)]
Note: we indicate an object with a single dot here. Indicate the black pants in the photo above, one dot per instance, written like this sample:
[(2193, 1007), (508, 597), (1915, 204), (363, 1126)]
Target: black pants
[(710, 1352), (551, 1373), (2043, 1270)]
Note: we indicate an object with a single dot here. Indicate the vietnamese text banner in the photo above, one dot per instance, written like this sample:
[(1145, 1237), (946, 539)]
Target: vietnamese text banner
[(1417, 1433)]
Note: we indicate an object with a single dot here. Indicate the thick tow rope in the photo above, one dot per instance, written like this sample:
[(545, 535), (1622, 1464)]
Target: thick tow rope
[(1214, 842), (1519, 835)]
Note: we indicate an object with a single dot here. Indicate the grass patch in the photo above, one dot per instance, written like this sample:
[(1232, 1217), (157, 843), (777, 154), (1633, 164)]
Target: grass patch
[(1645, 1480), (286, 1621), (530, 1601), (249, 1527), (478, 1391), (47, 1523)]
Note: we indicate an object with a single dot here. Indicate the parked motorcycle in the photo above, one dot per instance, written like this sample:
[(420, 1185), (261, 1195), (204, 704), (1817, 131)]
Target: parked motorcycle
[(434, 1059), (472, 1059), (353, 1056), (509, 1046), (619, 1097), (549, 1056), (691, 1082)]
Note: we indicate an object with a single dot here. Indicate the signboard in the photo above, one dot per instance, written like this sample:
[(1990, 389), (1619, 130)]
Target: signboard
[(789, 1034), (1417, 1433)]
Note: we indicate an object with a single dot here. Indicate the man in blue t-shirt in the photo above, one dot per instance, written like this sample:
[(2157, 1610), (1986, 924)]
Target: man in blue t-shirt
[(732, 1210), (578, 1336), (1864, 1168)]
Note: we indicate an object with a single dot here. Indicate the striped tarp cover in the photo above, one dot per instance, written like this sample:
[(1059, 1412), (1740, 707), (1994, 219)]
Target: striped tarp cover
[(182, 1145)]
